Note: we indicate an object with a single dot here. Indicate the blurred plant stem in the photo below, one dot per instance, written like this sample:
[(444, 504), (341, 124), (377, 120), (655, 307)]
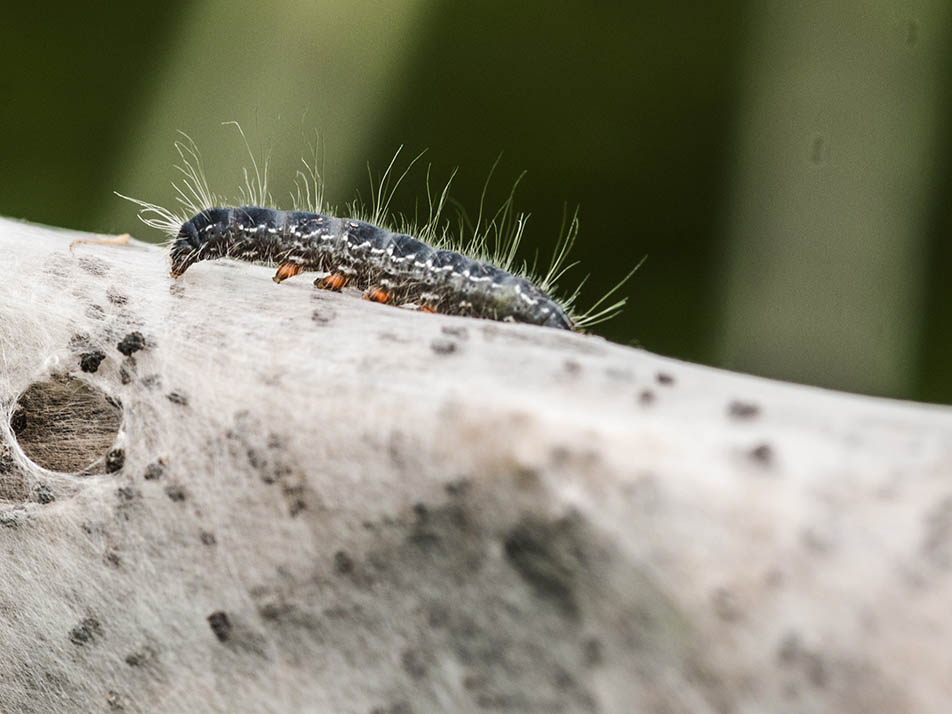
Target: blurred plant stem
[(836, 141)]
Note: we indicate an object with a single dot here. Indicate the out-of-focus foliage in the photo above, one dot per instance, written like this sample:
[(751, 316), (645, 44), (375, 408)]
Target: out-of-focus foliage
[(785, 167)]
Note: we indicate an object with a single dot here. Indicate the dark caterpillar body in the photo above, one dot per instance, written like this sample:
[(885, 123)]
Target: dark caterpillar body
[(391, 267)]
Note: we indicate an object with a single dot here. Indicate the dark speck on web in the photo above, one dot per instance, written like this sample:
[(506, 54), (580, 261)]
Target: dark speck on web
[(90, 361), (220, 625), (742, 410), (115, 460), (131, 343), (443, 347)]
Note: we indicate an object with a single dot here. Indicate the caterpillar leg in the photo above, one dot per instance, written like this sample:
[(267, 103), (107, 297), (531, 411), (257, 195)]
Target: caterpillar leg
[(427, 301), (377, 295), (334, 281), (285, 271), (114, 240)]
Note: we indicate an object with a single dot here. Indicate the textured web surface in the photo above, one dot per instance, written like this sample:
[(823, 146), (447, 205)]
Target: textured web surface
[(313, 503)]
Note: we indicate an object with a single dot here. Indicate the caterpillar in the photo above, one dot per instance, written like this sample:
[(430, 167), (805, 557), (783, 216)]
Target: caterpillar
[(390, 266)]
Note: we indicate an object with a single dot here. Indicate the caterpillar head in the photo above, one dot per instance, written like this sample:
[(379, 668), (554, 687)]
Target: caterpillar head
[(201, 237)]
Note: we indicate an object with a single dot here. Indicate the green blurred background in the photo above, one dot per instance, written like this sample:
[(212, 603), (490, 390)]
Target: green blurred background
[(785, 166)]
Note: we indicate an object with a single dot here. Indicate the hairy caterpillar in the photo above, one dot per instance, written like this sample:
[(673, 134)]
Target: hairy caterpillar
[(389, 266)]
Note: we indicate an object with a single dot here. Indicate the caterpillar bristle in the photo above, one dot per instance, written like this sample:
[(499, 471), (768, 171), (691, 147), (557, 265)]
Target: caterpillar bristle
[(309, 182)]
